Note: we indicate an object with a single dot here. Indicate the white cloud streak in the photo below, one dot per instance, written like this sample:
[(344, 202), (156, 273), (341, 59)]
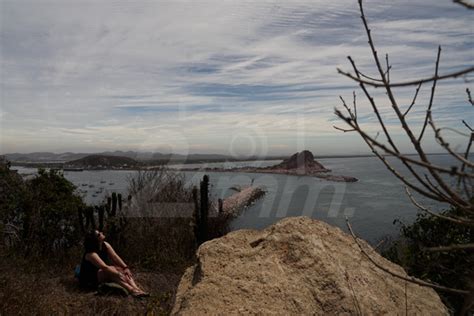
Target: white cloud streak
[(187, 76)]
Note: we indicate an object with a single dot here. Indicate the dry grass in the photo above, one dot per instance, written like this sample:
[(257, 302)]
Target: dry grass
[(49, 290)]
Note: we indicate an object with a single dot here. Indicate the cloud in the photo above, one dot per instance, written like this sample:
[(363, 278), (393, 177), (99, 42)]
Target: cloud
[(198, 74)]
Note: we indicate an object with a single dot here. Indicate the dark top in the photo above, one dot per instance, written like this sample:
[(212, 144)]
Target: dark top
[(88, 274)]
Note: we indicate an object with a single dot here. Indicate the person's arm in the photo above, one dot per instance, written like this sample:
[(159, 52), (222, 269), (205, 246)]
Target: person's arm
[(114, 257), (99, 263)]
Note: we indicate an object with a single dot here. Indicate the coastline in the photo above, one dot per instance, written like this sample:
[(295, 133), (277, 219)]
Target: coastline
[(305, 172)]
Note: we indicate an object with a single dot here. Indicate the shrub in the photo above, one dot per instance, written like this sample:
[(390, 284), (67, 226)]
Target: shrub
[(450, 268), (41, 213)]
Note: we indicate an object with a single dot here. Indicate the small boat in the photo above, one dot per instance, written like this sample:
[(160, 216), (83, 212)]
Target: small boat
[(111, 183), (84, 184), (91, 185), (103, 181)]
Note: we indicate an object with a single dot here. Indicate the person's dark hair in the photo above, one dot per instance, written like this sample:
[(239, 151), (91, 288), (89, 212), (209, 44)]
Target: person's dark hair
[(91, 242)]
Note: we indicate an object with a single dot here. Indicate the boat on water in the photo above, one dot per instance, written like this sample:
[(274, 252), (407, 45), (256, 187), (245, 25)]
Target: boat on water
[(111, 183)]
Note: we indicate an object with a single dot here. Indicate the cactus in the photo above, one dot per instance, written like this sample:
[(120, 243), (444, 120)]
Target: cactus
[(101, 212), (220, 203), (119, 199), (196, 214), (203, 222), (81, 220), (109, 205), (90, 221), (114, 204)]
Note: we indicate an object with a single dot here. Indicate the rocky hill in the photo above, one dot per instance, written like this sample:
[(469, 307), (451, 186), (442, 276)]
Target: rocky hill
[(298, 266), (102, 161), (301, 160)]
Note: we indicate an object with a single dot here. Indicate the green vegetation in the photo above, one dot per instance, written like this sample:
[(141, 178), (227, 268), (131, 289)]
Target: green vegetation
[(41, 222), (39, 216), (449, 268)]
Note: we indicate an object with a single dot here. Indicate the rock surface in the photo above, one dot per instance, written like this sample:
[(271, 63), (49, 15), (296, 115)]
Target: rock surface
[(300, 160), (298, 266)]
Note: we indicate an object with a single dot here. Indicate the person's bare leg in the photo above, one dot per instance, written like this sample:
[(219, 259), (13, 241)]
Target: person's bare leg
[(131, 281), (106, 276)]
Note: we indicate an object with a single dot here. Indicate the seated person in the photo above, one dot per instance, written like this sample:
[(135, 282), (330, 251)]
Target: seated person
[(101, 264)]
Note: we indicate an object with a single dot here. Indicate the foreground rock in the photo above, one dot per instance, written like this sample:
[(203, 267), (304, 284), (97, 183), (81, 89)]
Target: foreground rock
[(298, 266)]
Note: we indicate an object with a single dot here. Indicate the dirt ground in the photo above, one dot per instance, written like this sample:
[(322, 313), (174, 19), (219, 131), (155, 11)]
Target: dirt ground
[(46, 293)]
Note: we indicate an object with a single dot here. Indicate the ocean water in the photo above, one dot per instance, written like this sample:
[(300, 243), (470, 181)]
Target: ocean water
[(371, 204)]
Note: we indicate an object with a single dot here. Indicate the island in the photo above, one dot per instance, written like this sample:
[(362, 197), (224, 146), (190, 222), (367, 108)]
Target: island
[(299, 164)]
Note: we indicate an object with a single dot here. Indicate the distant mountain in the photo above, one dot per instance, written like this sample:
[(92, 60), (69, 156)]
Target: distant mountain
[(43, 157), (103, 161)]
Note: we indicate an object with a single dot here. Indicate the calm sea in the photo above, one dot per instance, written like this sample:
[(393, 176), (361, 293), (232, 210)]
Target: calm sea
[(371, 204)]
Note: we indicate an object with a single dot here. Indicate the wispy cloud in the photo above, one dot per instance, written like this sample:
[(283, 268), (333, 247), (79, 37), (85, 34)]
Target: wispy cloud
[(225, 76)]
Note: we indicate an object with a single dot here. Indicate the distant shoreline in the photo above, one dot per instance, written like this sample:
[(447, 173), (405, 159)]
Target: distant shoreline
[(159, 163)]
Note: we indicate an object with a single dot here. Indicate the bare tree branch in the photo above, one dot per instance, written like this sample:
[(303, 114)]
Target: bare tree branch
[(408, 83), (446, 146), (433, 88), (461, 221), (414, 100), (469, 98), (394, 274), (401, 156), (344, 130), (450, 248), (464, 3)]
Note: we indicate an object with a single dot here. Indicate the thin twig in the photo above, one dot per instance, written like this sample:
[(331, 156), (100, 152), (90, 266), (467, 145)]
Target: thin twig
[(453, 194), (368, 77), (374, 108), (460, 221), (450, 248), (405, 159), (433, 88), (344, 130), (467, 125), (401, 156), (469, 98), (406, 298), (413, 101), (356, 301), (446, 146), (394, 274), (454, 131), (388, 68), (408, 83), (464, 3)]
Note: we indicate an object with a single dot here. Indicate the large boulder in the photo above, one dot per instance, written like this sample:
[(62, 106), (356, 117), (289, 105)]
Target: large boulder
[(298, 266)]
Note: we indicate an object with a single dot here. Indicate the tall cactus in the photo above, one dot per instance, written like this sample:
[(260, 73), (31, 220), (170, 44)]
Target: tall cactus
[(196, 215), (204, 214), (101, 211), (109, 205), (119, 199), (114, 204)]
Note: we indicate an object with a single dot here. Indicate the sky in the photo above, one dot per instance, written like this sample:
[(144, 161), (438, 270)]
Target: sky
[(233, 77)]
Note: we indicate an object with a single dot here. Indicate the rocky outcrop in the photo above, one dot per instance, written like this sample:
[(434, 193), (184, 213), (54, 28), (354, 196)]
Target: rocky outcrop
[(299, 164), (298, 266), (301, 160)]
